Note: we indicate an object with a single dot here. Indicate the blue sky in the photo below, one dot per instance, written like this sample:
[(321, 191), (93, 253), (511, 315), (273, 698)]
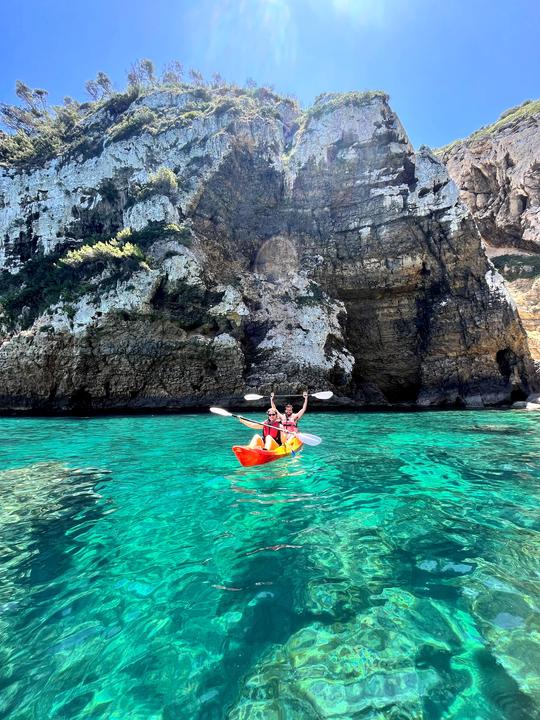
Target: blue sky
[(450, 66)]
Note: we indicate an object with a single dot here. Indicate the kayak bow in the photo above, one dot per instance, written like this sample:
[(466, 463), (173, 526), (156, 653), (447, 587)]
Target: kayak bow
[(248, 456)]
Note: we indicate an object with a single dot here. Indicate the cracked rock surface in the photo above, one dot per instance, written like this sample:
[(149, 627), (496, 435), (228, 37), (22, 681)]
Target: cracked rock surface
[(317, 250), (498, 176)]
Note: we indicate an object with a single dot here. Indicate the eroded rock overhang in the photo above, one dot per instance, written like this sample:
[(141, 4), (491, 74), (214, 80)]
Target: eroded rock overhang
[(296, 250)]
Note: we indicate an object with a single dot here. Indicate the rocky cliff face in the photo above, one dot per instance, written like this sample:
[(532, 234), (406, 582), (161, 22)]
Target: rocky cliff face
[(497, 171), (254, 247)]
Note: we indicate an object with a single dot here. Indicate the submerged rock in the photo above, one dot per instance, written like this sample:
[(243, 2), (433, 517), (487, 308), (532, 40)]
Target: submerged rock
[(368, 666)]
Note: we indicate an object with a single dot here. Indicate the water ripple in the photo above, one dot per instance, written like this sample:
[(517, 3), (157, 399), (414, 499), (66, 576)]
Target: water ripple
[(391, 572)]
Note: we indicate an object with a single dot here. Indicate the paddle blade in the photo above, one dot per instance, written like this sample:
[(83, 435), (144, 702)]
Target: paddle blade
[(253, 396), (309, 439), (220, 411), (323, 395)]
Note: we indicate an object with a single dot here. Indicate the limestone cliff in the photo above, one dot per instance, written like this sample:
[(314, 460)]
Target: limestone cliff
[(201, 244), (497, 171)]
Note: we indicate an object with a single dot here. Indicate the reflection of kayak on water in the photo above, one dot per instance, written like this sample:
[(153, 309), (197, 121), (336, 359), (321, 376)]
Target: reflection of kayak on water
[(248, 456)]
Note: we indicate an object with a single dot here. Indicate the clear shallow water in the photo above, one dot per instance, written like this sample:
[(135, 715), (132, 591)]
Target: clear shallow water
[(392, 572)]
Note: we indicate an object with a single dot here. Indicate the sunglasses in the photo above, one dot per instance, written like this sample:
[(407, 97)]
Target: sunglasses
[(269, 414)]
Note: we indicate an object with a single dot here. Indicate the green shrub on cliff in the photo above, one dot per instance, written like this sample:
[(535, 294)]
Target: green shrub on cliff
[(121, 249), (162, 182), (119, 103), (94, 267), (40, 283), (160, 230), (187, 118), (16, 149), (142, 239), (21, 148), (47, 279), (515, 267), (103, 252), (132, 124), (124, 235), (38, 132), (526, 109)]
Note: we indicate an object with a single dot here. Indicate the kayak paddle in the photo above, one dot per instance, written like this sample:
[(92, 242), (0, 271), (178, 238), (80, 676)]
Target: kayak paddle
[(323, 395), (306, 438)]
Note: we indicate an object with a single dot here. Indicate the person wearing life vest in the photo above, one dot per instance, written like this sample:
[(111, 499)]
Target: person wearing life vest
[(271, 431), (289, 419)]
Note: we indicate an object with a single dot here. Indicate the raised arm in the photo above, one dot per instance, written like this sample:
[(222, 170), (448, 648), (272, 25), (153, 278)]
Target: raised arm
[(249, 424), (303, 409), (279, 415)]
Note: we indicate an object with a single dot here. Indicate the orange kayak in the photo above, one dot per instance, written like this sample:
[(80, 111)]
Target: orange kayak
[(248, 456)]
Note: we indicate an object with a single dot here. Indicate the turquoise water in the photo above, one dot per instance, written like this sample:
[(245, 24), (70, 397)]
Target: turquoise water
[(391, 572)]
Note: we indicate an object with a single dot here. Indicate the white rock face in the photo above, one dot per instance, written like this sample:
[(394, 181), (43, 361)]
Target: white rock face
[(496, 284), (155, 209), (132, 295), (48, 195), (330, 127), (329, 256), (231, 306), (497, 174), (301, 328), (168, 99), (434, 187), (184, 267)]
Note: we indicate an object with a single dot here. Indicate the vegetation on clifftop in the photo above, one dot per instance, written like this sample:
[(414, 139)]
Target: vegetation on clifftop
[(328, 102), (508, 117), (37, 133)]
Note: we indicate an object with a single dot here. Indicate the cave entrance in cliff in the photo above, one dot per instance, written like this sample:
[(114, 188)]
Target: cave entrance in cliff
[(81, 400), (507, 361), (276, 259), (402, 392)]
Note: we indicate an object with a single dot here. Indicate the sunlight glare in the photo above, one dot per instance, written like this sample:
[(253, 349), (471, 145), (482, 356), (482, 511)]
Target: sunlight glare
[(364, 12)]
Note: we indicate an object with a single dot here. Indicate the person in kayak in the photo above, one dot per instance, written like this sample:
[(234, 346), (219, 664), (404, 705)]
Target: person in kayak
[(271, 431), (289, 419)]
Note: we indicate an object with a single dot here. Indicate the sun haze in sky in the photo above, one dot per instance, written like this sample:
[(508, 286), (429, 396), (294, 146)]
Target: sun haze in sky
[(449, 66)]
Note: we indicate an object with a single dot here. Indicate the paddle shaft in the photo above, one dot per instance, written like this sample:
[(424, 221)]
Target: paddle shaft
[(310, 395), (320, 395), (264, 424), (306, 438)]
